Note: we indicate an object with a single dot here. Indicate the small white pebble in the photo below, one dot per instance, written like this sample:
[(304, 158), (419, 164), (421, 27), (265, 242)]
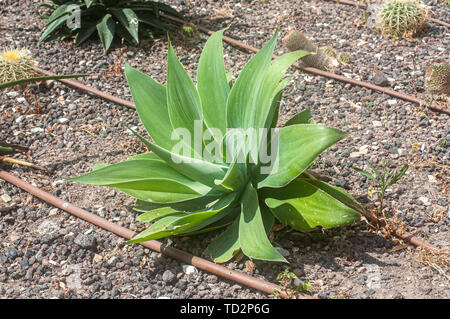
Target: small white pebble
[(6, 198), (377, 123), (63, 120), (189, 269), (12, 94)]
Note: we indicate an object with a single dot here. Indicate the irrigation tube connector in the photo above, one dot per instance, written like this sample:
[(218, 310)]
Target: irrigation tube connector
[(364, 6), (185, 257)]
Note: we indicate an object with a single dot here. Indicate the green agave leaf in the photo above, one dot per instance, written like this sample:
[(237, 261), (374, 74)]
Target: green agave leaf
[(234, 179), (191, 205), (242, 104), (270, 88), (298, 147), (57, 13), (201, 171), (226, 245), (41, 78), (230, 79), (187, 222), (276, 101), (168, 9), (305, 204), (183, 100), (151, 156), (150, 99), (128, 19), (84, 34), (106, 30), (303, 117), (222, 222), (267, 217), (159, 224), (252, 233), (152, 21), (212, 84), (89, 3), (156, 214), (149, 180), (98, 166), (159, 197), (51, 28), (148, 156), (197, 220)]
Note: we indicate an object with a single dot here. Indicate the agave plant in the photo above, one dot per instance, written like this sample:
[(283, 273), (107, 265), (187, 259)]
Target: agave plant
[(128, 19), (187, 187)]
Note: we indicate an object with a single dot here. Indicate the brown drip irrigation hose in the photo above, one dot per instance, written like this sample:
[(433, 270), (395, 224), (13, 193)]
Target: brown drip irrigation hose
[(364, 6), (185, 257), (106, 96), (81, 86), (327, 74), (399, 233)]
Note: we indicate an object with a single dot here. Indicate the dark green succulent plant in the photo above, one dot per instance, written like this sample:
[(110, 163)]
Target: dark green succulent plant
[(226, 176), (109, 19)]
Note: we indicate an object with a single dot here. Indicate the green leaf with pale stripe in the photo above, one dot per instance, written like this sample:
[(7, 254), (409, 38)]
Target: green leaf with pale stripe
[(52, 27), (303, 117), (252, 234), (298, 147), (156, 214), (242, 104), (212, 83), (226, 245), (270, 87), (128, 19), (147, 179), (160, 224), (202, 171), (150, 99), (182, 99), (305, 204), (188, 222), (106, 30)]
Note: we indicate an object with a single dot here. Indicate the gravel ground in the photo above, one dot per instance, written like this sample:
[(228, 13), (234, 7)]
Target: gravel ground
[(47, 253)]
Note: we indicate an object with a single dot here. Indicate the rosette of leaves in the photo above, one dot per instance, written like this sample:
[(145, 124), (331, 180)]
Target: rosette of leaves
[(206, 188), (108, 19)]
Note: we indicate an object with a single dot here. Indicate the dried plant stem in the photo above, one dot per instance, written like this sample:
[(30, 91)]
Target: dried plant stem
[(19, 162)]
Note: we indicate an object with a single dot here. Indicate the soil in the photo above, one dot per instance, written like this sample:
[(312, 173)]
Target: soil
[(47, 253)]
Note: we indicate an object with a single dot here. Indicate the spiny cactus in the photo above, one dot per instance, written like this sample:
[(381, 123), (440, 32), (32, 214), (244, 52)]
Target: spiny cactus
[(320, 58), (329, 51), (403, 18), (344, 58), (189, 29), (437, 78), (16, 64)]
